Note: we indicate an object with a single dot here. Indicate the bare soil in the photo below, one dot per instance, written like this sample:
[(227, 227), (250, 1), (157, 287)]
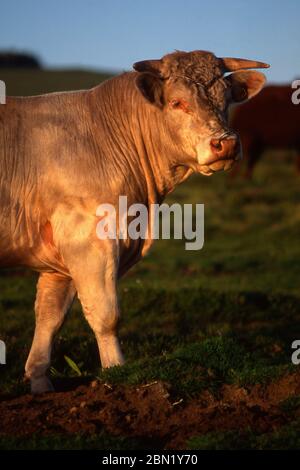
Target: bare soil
[(149, 412)]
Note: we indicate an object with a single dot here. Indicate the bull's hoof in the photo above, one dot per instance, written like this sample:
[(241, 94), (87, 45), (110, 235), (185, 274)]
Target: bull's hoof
[(41, 385)]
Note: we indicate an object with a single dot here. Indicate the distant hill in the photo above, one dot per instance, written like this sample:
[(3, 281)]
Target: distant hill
[(26, 82), (17, 60)]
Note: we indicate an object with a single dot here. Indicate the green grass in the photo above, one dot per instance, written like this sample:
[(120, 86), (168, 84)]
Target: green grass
[(286, 438), (195, 319)]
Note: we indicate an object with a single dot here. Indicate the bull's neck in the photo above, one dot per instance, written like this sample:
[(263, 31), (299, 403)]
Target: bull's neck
[(141, 139), (155, 146)]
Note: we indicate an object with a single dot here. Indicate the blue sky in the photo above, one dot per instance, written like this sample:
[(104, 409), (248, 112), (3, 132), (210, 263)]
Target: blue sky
[(113, 34)]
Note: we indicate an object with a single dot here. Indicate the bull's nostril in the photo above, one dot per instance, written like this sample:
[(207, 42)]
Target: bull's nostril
[(216, 144)]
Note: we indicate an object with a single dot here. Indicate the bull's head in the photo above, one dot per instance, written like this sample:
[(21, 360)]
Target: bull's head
[(193, 92)]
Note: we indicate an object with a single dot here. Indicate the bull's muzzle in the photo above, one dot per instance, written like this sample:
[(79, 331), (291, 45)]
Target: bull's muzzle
[(225, 151), (228, 147)]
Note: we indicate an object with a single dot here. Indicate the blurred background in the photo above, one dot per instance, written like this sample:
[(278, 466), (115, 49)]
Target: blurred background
[(241, 291), (112, 35), (50, 46)]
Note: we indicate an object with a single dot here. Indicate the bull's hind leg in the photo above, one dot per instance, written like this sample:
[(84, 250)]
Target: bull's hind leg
[(55, 294), (254, 153)]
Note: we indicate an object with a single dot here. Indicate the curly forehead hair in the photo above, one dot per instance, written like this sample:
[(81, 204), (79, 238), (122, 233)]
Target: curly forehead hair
[(197, 65)]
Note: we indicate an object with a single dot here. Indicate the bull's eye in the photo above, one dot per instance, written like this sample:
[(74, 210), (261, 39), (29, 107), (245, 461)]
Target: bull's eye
[(179, 104), (175, 103)]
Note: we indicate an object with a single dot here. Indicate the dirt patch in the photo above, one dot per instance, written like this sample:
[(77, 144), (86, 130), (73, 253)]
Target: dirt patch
[(149, 412)]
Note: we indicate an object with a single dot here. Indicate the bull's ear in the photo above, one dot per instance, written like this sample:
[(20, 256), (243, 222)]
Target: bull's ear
[(245, 85), (152, 66), (151, 88)]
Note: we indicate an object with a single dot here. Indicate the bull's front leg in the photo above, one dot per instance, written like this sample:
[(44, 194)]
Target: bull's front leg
[(93, 268)]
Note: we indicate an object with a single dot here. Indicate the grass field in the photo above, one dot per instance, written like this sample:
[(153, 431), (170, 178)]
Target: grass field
[(193, 322)]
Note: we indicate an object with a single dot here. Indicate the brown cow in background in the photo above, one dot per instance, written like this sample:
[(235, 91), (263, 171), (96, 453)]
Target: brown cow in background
[(270, 120)]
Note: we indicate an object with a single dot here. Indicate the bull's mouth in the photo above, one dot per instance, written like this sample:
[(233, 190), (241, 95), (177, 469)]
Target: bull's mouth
[(220, 164)]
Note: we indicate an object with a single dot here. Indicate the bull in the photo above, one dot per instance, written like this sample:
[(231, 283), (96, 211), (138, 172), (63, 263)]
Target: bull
[(271, 121), (139, 134)]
